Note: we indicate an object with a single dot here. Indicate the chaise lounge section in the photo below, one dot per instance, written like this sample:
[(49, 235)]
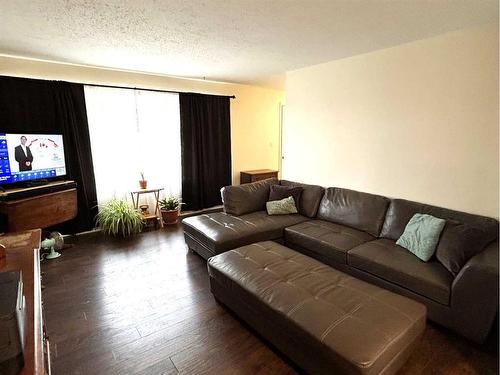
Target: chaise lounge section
[(356, 233), (244, 220)]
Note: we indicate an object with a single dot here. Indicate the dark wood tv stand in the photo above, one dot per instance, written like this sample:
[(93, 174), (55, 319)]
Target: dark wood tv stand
[(37, 206)]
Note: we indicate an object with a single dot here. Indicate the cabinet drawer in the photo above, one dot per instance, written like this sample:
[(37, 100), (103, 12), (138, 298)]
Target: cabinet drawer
[(264, 176), (258, 175)]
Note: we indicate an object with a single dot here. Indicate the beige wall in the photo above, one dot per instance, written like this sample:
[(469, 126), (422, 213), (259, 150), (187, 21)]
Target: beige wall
[(254, 112), (416, 121)]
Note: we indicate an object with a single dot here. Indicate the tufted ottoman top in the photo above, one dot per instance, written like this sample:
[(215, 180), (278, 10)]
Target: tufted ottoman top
[(360, 324)]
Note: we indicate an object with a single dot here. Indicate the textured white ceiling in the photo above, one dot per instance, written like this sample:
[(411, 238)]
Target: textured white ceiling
[(247, 41)]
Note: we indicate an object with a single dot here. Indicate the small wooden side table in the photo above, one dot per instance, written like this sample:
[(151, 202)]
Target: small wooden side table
[(156, 192), (257, 175)]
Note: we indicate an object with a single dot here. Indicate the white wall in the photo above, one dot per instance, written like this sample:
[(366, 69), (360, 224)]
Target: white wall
[(416, 121), (255, 112)]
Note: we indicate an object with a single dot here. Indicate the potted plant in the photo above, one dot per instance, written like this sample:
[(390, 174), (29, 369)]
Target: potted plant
[(119, 219), (142, 182), (169, 208)]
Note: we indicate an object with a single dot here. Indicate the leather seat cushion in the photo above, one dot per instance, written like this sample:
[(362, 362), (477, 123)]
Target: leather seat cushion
[(325, 238), (246, 198), (385, 259), (355, 209), (357, 327), (309, 199), (221, 232)]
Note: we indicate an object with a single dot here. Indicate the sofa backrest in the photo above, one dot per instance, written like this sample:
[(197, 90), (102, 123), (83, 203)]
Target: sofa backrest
[(243, 199), (401, 211), (309, 199), (355, 209)]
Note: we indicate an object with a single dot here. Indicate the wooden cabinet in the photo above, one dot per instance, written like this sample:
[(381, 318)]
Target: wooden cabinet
[(22, 253), (39, 208), (257, 175)]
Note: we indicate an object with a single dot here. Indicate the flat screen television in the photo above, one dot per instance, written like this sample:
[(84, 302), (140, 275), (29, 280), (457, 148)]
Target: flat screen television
[(28, 157)]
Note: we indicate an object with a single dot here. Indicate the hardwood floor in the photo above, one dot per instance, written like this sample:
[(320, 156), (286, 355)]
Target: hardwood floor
[(143, 306)]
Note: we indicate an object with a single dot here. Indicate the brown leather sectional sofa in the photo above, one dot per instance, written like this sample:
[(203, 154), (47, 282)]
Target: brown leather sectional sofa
[(355, 232)]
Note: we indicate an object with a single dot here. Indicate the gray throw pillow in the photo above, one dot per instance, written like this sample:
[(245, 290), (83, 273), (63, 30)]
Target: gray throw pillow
[(421, 235), (284, 206)]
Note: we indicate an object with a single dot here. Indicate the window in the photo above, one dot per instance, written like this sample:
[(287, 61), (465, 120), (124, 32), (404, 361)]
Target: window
[(134, 131)]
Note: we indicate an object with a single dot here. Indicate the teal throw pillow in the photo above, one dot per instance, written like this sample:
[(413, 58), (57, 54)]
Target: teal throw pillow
[(282, 207), (421, 235)]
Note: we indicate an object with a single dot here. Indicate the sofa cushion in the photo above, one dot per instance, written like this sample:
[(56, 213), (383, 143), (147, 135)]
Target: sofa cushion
[(459, 242), (400, 212), (220, 232), (355, 209), (243, 199), (279, 192), (309, 199), (385, 259), (327, 239)]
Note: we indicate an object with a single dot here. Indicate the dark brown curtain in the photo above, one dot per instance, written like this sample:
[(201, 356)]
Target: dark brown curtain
[(206, 149), (40, 106)]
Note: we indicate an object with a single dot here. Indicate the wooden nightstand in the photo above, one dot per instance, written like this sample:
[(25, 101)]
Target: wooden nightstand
[(257, 175)]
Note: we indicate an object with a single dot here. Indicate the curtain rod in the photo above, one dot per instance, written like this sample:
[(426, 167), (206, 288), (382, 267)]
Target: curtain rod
[(155, 90)]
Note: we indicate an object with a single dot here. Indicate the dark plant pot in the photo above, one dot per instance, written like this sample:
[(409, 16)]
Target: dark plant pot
[(170, 216), (143, 184)]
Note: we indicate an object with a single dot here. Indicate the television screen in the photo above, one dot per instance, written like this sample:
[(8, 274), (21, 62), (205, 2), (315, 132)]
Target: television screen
[(25, 157)]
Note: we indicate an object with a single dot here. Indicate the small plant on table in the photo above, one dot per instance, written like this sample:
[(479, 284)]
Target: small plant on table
[(143, 183)]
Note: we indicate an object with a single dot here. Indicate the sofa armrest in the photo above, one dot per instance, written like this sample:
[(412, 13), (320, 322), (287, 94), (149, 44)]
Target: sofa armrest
[(474, 294)]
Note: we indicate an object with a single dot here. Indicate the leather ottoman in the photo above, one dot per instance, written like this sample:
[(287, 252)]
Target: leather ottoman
[(322, 319)]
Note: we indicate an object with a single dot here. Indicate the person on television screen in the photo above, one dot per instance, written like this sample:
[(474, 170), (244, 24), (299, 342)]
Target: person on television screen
[(23, 156)]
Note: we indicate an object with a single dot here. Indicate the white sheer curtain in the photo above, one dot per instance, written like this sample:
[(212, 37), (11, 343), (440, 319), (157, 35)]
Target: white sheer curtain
[(134, 131)]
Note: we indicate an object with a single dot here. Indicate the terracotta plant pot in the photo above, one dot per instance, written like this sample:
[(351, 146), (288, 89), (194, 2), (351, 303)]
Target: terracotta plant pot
[(143, 184), (170, 216)]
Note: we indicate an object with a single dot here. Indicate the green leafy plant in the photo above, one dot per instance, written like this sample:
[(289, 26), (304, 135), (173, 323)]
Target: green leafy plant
[(142, 176), (170, 203), (118, 218)]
